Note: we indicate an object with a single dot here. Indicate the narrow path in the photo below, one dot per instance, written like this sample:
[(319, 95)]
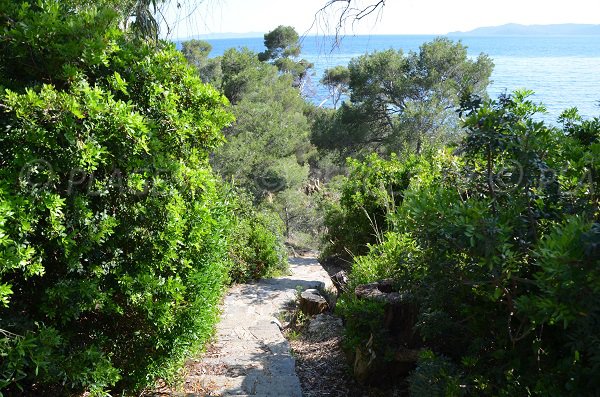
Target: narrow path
[(250, 356)]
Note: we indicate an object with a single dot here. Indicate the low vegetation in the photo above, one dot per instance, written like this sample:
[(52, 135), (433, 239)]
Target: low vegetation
[(117, 240), (496, 241), (138, 181)]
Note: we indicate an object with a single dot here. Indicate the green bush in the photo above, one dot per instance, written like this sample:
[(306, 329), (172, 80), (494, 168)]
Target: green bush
[(113, 233), (373, 189), (565, 302), (498, 244), (363, 320), (396, 258), (256, 245)]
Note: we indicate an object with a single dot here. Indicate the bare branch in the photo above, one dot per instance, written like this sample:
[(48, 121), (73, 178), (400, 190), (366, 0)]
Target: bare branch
[(343, 13)]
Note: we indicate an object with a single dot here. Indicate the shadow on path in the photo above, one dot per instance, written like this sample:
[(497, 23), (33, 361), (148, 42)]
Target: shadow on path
[(250, 356)]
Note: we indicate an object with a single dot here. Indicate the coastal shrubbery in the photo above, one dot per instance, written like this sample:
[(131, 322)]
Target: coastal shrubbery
[(256, 243), (114, 233), (497, 241), (117, 239), (373, 189)]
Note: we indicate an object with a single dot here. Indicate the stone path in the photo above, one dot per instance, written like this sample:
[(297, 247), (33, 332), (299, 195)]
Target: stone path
[(250, 356)]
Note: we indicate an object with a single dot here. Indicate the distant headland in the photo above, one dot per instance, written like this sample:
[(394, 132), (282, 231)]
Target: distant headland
[(513, 29)]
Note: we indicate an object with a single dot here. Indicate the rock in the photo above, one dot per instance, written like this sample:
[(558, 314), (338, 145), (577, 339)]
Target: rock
[(382, 291), (277, 323), (407, 356), (312, 302), (324, 327), (340, 281)]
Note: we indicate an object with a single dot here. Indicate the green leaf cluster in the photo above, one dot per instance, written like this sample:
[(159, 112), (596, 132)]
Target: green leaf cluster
[(401, 101), (372, 191), (113, 228), (255, 242), (497, 242), (283, 48)]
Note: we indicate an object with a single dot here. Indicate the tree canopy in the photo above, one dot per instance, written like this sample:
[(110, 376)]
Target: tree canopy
[(197, 54), (262, 152), (337, 81), (402, 100), (281, 42), (283, 49)]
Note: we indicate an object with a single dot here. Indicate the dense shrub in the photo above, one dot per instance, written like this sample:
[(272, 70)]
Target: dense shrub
[(373, 189), (112, 230), (364, 320), (498, 243), (255, 245)]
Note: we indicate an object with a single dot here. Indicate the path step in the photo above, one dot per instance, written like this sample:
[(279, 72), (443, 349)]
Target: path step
[(250, 356)]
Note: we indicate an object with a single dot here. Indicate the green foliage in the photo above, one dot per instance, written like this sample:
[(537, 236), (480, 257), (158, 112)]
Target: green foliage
[(265, 145), (404, 101), (282, 41), (113, 233), (196, 52), (44, 44), (364, 319), (436, 376), (498, 243), (396, 257), (337, 80), (567, 277), (243, 73), (373, 189), (283, 49), (301, 212), (268, 148), (255, 243)]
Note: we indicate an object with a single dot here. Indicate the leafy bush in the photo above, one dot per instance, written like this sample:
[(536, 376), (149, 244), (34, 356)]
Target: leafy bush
[(256, 242), (395, 258), (435, 376), (498, 242), (112, 230), (364, 319), (373, 189)]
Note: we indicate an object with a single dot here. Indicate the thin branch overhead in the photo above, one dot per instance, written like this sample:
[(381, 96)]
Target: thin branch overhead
[(337, 15)]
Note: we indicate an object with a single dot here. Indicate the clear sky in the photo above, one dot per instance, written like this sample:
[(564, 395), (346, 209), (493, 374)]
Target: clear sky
[(397, 17)]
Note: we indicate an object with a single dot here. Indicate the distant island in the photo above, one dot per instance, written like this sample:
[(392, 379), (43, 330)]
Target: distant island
[(513, 29)]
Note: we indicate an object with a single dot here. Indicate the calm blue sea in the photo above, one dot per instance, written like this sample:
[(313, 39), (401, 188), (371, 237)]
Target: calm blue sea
[(564, 71)]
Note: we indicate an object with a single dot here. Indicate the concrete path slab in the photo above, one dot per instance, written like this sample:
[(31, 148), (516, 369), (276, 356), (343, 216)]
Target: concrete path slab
[(250, 356)]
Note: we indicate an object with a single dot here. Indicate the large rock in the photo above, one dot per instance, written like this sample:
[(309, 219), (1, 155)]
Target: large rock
[(382, 291), (312, 302)]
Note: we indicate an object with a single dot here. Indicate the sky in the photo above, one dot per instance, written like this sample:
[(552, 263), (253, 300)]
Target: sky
[(397, 17)]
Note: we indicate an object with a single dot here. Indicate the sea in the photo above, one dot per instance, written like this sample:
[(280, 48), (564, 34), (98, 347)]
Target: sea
[(563, 71)]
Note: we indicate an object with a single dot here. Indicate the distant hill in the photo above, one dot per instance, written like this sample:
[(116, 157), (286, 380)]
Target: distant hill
[(513, 29), (217, 36)]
